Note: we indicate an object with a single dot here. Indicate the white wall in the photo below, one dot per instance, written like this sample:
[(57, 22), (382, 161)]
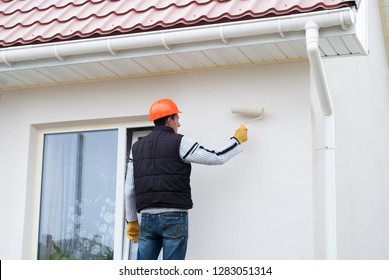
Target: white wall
[(360, 91), (258, 206)]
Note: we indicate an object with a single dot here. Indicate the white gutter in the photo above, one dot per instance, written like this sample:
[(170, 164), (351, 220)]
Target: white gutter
[(167, 39)]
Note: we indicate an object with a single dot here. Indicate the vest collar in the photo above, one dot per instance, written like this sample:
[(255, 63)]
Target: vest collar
[(163, 128)]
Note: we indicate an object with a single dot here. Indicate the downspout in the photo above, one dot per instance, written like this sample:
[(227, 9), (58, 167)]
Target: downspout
[(324, 186)]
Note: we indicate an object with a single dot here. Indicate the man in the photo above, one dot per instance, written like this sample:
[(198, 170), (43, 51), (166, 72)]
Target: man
[(157, 183)]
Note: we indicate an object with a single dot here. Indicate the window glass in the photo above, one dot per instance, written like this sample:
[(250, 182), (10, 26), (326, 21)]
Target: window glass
[(77, 214)]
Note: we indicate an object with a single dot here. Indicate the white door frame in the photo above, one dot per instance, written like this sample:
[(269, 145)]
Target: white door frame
[(124, 249)]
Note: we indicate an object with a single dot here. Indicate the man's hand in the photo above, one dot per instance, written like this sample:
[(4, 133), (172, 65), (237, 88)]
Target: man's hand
[(241, 134), (133, 231)]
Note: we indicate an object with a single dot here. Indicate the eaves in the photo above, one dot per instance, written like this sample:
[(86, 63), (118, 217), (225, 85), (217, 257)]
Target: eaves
[(268, 40)]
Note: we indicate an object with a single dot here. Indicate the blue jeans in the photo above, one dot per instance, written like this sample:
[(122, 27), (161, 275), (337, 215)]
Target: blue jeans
[(167, 230)]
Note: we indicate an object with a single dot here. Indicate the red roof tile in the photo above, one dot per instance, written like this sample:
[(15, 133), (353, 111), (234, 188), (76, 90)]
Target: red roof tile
[(41, 21)]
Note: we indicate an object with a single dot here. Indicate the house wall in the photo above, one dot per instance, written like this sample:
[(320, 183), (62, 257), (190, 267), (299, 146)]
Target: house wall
[(257, 206), (360, 92)]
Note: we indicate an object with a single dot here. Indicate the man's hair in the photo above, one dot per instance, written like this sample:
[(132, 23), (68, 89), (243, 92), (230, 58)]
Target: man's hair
[(162, 121)]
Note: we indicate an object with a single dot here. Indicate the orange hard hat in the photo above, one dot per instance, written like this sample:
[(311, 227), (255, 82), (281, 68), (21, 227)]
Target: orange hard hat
[(162, 108)]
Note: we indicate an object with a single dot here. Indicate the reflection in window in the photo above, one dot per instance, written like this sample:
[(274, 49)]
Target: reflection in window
[(78, 196)]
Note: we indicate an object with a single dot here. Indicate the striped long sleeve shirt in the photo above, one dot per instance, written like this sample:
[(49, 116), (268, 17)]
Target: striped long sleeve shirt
[(190, 152)]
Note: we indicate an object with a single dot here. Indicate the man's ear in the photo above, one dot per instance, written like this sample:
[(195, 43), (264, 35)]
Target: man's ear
[(168, 121)]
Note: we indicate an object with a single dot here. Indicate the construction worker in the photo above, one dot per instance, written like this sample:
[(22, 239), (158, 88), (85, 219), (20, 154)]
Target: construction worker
[(157, 182)]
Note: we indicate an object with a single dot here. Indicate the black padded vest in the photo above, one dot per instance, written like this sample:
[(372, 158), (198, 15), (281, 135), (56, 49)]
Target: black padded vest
[(162, 179)]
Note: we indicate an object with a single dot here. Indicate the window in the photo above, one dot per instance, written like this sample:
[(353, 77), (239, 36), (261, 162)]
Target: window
[(78, 193), (82, 194)]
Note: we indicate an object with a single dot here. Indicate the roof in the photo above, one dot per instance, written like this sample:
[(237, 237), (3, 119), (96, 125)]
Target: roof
[(25, 22)]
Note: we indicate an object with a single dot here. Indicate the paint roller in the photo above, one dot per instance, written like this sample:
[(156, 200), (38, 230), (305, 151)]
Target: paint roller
[(253, 112)]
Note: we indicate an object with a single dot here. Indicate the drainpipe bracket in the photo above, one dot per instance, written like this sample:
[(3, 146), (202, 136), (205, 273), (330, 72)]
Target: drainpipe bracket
[(110, 49), (222, 37), (164, 42), (342, 21), (57, 55), (279, 27), (4, 56), (326, 148)]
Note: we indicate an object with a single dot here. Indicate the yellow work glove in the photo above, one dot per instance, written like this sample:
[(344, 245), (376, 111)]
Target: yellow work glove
[(241, 134), (133, 231)]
